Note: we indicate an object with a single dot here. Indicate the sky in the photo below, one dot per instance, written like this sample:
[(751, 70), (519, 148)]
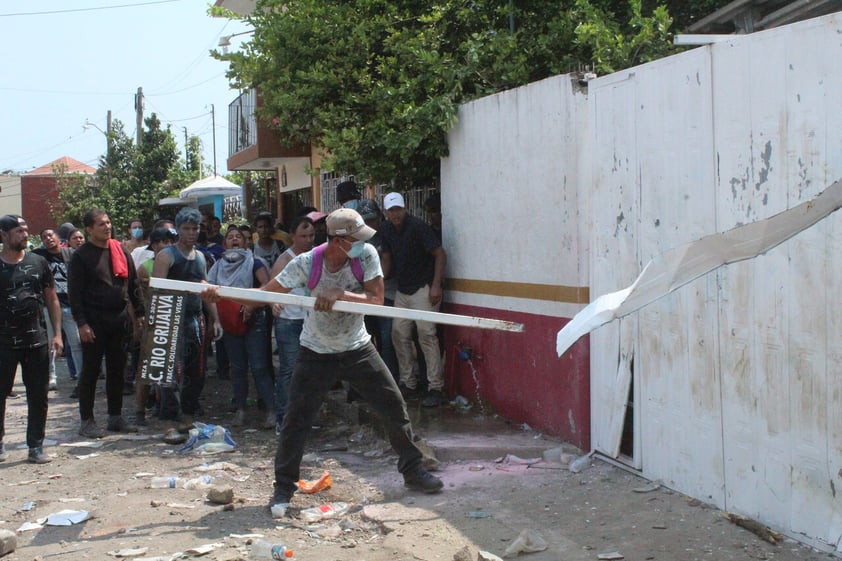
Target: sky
[(71, 61)]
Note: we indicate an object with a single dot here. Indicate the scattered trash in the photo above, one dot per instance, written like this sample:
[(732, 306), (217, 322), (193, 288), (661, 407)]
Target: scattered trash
[(65, 518), (512, 459), (476, 468), (133, 552), (87, 456), (654, 486), (580, 463), (478, 514), (27, 526), (459, 400), (172, 482), (324, 512), (218, 466), (488, 556), (613, 556), (209, 439), (204, 549), (261, 549), (156, 504), (279, 510), (84, 444), (758, 529), (660, 526), (558, 456), (320, 484), (27, 506), (528, 541)]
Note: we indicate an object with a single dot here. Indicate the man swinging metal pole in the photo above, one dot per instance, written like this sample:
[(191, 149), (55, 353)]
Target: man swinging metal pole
[(254, 295)]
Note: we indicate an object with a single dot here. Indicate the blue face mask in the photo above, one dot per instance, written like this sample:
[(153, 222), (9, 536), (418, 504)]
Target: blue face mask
[(137, 233), (356, 249)]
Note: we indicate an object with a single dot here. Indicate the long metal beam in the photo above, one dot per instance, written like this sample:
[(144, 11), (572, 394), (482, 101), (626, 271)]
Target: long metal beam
[(265, 297)]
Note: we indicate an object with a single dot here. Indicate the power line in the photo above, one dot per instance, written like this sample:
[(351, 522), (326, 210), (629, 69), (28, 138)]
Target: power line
[(69, 10)]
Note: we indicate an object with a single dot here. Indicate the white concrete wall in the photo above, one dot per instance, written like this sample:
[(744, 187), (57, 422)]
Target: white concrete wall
[(511, 210)]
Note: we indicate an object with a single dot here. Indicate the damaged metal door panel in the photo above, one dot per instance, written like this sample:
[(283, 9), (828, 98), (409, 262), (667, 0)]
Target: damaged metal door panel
[(613, 244), (780, 464), (679, 402)]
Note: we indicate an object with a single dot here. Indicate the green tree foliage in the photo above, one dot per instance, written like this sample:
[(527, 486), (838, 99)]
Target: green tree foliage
[(377, 83), (130, 180)]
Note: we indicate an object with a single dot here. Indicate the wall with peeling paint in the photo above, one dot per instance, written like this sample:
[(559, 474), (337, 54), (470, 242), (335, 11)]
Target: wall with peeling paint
[(734, 378)]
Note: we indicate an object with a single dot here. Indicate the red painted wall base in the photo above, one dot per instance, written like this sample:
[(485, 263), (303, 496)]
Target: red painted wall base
[(520, 377)]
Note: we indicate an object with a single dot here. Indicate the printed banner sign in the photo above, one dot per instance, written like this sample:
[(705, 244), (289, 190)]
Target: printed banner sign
[(161, 343)]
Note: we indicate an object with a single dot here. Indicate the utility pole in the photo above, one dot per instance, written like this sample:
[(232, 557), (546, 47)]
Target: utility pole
[(138, 107), (108, 135), (186, 151), (213, 126)]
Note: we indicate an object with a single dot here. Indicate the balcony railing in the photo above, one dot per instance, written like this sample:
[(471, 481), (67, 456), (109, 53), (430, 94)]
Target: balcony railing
[(242, 122)]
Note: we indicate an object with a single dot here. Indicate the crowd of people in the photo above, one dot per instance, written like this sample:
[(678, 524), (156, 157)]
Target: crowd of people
[(84, 295)]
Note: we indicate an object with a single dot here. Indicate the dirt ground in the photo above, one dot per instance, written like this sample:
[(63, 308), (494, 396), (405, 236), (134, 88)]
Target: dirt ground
[(485, 505)]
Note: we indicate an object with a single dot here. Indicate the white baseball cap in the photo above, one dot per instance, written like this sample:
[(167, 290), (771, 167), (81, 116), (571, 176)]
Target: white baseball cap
[(392, 200)]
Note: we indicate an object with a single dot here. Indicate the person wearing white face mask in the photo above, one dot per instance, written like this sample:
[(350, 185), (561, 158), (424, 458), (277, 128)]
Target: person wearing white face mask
[(137, 236), (336, 346)]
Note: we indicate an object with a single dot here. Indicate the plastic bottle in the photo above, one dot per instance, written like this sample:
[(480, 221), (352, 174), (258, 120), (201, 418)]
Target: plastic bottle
[(173, 482), (580, 463), (201, 482), (323, 512), (261, 549), (166, 482)]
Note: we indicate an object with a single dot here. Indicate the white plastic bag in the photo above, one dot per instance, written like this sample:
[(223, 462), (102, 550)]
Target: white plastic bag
[(208, 439)]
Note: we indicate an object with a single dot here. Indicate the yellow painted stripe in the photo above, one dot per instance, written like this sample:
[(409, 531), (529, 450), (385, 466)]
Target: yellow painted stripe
[(553, 293)]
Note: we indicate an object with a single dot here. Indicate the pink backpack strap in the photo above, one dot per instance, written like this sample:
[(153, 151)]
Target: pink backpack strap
[(318, 262), (316, 266)]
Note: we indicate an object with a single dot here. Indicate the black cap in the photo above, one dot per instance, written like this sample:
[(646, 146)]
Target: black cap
[(346, 191), (11, 221), (160, 235)]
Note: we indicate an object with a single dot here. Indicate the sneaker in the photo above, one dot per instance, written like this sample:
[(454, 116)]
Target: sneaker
[(280, 498), (409, 393), (3, 455), (269, 422), (53, 384), (116, 423), (239, 418), (422, 480), (37, 456), (434, 399), (90, 430)]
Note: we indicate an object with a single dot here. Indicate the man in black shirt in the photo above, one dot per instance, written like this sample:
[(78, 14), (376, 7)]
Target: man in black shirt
[(59, 260), (26, 286), (105, 303), (413, 255)]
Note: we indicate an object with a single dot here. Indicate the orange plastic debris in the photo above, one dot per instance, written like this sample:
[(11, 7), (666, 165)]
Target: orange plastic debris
[(322, 483)]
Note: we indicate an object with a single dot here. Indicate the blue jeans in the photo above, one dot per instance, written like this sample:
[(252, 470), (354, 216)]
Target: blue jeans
[(287, 335), (249, 351)]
